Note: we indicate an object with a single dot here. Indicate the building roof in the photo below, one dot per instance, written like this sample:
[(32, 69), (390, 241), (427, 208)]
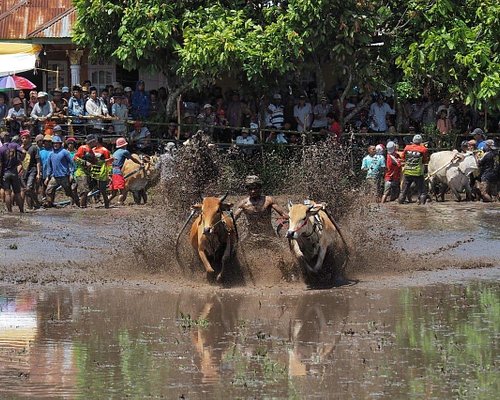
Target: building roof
[(26, 19)]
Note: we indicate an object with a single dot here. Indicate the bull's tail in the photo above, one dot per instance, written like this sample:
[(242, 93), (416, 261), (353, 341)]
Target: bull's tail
[(177, 255)]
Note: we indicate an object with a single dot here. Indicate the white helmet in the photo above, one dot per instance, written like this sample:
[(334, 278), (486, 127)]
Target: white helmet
[(391, 147)]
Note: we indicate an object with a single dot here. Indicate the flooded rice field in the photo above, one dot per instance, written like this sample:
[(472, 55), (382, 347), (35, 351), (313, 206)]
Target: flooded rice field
[(439, 341), (80, 317)]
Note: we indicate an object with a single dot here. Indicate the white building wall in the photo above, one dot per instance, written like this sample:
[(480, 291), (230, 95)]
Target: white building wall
[(152, 80)]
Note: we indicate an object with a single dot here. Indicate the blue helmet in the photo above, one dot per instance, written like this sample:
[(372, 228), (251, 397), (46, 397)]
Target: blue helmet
[(56, 139)]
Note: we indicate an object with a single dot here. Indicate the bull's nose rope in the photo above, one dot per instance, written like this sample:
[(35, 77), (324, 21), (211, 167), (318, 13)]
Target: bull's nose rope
[(315, 227)]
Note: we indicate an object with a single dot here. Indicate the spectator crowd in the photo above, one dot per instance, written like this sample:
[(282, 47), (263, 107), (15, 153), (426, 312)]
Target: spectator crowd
[(56, 140)]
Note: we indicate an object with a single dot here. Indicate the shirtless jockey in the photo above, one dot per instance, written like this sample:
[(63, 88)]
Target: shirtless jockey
[(257, 208)]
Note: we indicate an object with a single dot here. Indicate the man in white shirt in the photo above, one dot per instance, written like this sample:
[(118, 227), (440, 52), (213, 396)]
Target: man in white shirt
[(41, 110), (378, 114), (245, 139), (96, 108), (303, 114), (16, 115), (321, 110)]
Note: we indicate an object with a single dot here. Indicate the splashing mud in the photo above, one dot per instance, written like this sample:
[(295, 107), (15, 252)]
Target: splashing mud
[(321, 172)]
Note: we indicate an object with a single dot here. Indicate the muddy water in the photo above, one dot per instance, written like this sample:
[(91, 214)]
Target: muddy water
[(438, 341), (462, 230)]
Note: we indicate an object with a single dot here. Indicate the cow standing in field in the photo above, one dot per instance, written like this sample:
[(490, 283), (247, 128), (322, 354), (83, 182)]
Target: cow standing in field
[(212, 234), (452, 170), (139, 179), (312, 234)]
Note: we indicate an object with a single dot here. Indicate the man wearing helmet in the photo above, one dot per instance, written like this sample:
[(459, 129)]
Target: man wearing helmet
[(414, 156), (257, 208), (60, 168), (392, 173)]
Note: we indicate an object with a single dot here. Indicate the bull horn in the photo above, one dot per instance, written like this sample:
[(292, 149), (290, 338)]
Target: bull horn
[(223, 197)]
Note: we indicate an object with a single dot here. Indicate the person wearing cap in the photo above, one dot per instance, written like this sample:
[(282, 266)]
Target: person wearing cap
[(414, 157), (117, 179), (39, 141), (11, 156), (303, 114), (464, 146), (65, 93), (321, 111), (16, 115), (489, 172), (96, 108), (128, 96), (84, 159), (57, 131), (392, 177), (258, 208), (141, 103), (60, 169), (276, 112), (206, 118), (479, 137), (59, 104), (32, 168), (41, 111)]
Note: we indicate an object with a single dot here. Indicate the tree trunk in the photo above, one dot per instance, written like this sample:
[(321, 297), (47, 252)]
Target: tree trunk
[(320, 80), (172, 102), (346, 91), (362, 104)]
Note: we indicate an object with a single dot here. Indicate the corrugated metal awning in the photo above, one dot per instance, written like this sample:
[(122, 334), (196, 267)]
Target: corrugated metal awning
[(17, 57)]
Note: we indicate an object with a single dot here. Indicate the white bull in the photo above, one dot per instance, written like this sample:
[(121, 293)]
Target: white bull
[(312, 234), (139, 179), (451, 169)]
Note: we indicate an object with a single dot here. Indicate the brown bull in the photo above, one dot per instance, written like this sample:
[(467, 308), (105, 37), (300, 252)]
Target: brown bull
[(212, 233), (312, 234)]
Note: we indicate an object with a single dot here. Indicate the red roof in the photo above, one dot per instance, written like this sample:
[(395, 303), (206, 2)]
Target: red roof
[(24, 19)]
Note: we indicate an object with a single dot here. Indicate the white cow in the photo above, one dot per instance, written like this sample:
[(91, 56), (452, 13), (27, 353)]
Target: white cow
[(451, 169), (312, 234)]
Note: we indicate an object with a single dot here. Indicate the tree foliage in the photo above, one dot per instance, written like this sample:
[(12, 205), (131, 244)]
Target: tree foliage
[(453, 44), (195, 42), (449, 44)]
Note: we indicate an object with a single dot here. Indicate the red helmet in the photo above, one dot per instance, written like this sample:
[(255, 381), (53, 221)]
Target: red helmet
[(121, 142)]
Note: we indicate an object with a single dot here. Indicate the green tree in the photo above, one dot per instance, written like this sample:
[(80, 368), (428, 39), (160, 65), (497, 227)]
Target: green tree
[(452, 45), (193, 43)]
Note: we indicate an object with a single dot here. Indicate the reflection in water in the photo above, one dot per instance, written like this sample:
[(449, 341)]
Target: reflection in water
[(432, 342)]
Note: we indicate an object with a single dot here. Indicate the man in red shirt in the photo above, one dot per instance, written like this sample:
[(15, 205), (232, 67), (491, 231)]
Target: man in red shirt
[(415, 155), (392, 177)]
